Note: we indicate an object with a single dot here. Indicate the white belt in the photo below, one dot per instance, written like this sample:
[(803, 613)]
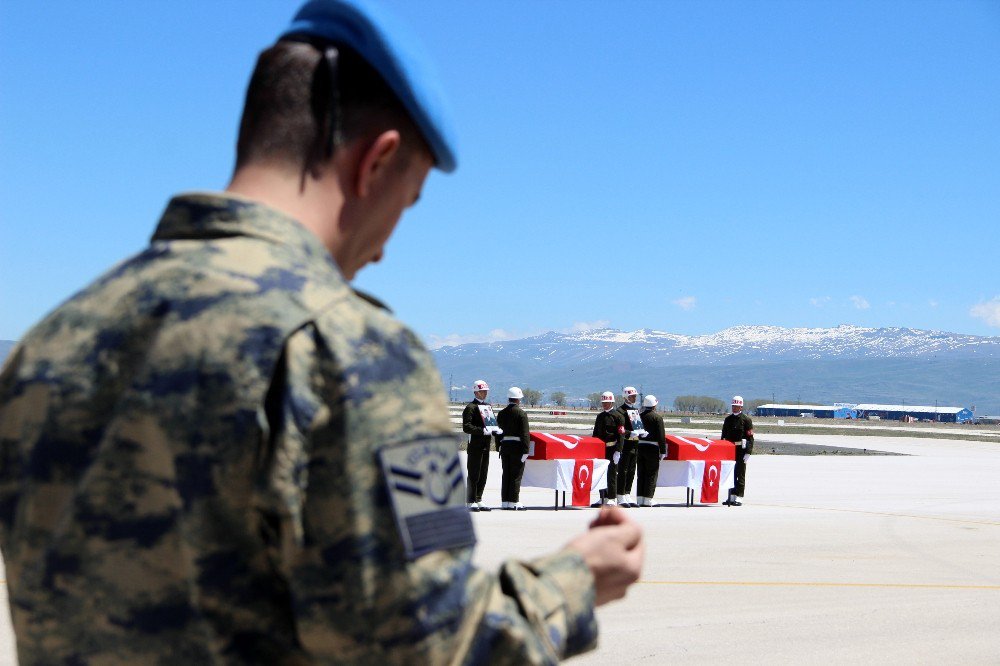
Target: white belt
[(511, 439)]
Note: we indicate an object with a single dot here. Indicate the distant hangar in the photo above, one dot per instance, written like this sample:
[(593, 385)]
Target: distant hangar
[(867, 411), (818, 411)]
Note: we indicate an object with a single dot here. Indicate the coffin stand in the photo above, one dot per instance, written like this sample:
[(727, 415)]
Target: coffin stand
[(566, 463), (696, 463)]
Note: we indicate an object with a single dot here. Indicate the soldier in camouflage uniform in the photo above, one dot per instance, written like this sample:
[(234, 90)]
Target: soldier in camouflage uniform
[(738, 429), (219, 452)]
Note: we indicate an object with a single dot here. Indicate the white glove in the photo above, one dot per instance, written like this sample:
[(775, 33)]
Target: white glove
[(663, 456), (498, 431), (746, 457), (524, 457), (487, 431), (643, 433), (617, 457)]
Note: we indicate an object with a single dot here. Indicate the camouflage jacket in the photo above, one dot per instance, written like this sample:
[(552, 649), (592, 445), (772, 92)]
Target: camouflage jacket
[(219, 453)]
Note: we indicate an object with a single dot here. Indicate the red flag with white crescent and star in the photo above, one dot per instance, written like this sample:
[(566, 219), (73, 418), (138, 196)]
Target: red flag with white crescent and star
[(583, 474), (710, 482)]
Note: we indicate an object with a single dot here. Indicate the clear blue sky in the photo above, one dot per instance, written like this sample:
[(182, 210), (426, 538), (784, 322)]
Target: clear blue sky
[(682, 166)]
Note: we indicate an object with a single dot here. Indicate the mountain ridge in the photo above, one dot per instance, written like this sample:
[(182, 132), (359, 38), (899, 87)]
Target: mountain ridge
[(843, 363), (747, 343)]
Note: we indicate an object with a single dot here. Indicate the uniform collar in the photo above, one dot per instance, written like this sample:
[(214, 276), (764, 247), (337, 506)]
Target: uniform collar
[(214, 215)]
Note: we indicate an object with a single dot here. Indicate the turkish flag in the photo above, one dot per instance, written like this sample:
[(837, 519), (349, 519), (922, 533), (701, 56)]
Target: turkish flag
[(710, 482), (583, 474)]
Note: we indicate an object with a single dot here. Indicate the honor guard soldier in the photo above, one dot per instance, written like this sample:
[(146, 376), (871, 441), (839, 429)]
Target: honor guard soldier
[(198, 460), (651, 449), (738, 429), (629, 410), (474, 424), (610, 429), (514, 447)]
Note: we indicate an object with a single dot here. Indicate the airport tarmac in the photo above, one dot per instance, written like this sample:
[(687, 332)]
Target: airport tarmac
[(833, 559)]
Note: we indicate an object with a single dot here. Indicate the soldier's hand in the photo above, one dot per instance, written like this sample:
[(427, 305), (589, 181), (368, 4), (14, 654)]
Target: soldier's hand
[(614, 550), (487, 431)]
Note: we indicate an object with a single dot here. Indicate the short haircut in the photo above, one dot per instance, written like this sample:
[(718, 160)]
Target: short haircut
[(286, 114)]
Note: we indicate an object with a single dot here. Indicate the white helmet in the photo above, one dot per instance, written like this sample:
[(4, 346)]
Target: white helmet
[(629, 390), (650, 401), (607, 396), (737, 401), (515, 392), (480, 385)]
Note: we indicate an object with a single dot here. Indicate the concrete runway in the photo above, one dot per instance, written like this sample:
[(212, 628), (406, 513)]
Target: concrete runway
[(833, 559)]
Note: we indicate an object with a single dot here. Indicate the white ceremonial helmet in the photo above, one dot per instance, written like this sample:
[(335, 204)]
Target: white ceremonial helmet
[(515, 392), (480, 385), (737, 401), (650, 401), (629, 390), (607, 396)]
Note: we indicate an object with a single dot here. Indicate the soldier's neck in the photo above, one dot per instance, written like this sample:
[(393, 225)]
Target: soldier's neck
[(315, 202)]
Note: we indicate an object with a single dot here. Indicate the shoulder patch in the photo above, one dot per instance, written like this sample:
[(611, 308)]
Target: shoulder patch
[(427, 491)]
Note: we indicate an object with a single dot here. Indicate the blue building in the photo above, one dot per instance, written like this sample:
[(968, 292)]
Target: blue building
[(817, 411), (920, 412)]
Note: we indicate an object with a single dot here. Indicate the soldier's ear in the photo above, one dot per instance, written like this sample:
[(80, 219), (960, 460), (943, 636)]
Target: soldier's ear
[(376, 162)]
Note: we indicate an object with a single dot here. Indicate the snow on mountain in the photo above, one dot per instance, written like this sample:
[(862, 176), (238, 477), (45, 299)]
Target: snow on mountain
[(738, 344), (845, 364)]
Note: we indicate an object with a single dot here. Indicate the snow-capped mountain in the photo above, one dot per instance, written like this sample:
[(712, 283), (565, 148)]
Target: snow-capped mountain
[(842, 364), (739, 344)]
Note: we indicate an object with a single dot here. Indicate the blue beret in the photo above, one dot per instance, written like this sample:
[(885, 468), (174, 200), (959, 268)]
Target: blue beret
[(395, 54)]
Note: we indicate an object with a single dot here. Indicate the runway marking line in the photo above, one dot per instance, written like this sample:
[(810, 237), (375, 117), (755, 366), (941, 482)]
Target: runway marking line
[(968, 521), (747, 583)]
